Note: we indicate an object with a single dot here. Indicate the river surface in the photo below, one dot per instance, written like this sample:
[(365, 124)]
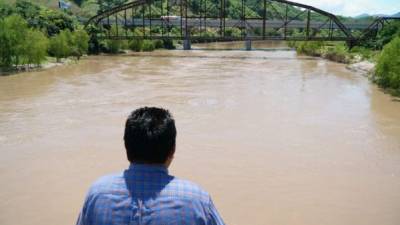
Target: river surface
[(275, 138)]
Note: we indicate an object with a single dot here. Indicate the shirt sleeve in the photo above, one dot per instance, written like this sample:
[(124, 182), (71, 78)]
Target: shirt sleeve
[(83, 215), (214, 218)]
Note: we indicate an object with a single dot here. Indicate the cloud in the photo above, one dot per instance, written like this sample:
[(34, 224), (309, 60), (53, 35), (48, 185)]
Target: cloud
[(355, 7)]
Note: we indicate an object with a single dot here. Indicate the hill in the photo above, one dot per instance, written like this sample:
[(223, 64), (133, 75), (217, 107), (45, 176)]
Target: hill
[(84, 8), (362, 16)]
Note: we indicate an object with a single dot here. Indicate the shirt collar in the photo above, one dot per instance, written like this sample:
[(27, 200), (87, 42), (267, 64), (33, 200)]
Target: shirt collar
[(148, 168)]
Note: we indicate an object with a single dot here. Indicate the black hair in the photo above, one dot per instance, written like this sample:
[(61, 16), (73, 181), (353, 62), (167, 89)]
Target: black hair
[(150, 135)]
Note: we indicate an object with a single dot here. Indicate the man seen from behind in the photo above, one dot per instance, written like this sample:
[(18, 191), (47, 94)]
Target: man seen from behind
[(145, 193)]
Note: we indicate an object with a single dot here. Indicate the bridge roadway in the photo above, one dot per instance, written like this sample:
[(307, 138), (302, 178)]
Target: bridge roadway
[(249, 23)]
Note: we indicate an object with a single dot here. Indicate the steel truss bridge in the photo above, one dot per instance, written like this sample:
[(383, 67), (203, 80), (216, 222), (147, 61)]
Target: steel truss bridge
[(214, 20)]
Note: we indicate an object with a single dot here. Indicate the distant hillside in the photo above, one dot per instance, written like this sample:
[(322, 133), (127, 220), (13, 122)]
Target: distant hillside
[(365, 15), (84, 8), (362, 16), (88, 8), (47, 3)]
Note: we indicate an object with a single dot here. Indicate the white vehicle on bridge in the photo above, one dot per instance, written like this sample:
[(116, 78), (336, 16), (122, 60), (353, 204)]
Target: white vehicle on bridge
[(170, 18)]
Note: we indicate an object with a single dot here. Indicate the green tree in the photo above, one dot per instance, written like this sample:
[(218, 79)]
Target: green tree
[(36, 47), (388, 66), (388, 33), (5, 9), (59, 46), (81, 43), (13, 33)]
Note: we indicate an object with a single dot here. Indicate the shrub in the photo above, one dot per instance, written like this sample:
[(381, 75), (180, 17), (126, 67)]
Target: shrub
[(337, 53), (81, 43), (158, 44), (13, 33), (168, 44), (388, 66), (36, 47), (112, 46), (136, 45), (365, 53), (148, 46), (312, 48), (60, 45)]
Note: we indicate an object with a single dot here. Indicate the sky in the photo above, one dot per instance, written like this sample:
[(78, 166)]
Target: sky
[(355, 7)]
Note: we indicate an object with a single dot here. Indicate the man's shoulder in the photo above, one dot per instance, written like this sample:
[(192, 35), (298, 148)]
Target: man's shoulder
[(187, 189), (107, 183)]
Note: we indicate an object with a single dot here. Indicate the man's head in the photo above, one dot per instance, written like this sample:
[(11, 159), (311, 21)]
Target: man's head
[(150, 136)]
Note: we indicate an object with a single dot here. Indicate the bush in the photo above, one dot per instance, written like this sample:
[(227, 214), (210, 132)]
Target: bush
[(168, 44), (36, 48), (158, 44), (112, 46), (13, 33), (365, 53), (337, 53), (20, 45), (136, 45), (80, 43), (388, 66), (148, 46), (312, 48), (60, 45), (388, 33)]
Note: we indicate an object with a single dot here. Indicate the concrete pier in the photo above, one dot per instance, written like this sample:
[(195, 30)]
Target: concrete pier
[(187, 44), (247, 44)]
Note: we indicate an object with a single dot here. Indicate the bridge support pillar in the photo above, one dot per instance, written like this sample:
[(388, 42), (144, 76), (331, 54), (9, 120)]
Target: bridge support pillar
[(187, 44), (247, 44)]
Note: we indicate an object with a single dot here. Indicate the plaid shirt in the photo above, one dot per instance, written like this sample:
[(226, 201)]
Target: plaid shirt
[(147, 195)]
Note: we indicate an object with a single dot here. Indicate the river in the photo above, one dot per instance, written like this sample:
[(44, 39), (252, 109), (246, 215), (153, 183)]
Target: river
[(274, 137)]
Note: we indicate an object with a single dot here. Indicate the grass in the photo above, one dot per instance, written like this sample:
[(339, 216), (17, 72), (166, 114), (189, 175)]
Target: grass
[(334, 51)]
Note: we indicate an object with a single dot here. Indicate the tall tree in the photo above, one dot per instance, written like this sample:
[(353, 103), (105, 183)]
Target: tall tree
[(13, 30), (81, 43), (36, 46), (59, 46)]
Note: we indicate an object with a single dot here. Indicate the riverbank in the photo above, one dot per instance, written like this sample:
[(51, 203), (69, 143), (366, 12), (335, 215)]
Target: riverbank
[(374, 64), (48, 64)]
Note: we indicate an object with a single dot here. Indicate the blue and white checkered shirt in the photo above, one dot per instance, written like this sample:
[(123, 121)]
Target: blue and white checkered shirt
[(147, 195)]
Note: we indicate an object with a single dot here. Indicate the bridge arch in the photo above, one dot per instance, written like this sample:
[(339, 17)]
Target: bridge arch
[(208, 20)]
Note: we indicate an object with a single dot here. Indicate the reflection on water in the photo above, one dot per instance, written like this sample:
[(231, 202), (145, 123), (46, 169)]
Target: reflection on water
[(275, 138)]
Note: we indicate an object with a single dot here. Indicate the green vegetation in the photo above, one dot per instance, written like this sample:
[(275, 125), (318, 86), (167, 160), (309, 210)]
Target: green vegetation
[(387, 73), (67, 43), (36, 47), (80, 43), (59, 45), (41, 18), (19, 44), (29, 33), (388, 32)]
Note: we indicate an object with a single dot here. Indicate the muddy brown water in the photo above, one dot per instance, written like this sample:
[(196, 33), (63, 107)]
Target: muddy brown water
[(274, 137)]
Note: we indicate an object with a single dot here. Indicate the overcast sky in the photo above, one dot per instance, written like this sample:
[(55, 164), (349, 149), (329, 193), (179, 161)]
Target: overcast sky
[(355, 7)]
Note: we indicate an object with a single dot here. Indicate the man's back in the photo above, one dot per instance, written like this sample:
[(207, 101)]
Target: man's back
[(146, 194)]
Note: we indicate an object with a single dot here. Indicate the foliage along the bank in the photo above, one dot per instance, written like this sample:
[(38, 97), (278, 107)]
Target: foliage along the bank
[(41, 18), (29, 33), (387, 73), (19, 44), (22, 45)]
